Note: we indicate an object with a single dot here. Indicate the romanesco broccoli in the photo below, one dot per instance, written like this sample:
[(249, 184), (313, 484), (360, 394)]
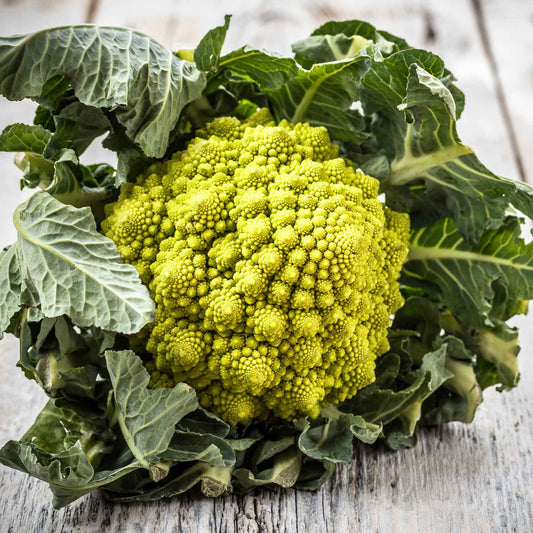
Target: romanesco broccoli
[(272, 264)]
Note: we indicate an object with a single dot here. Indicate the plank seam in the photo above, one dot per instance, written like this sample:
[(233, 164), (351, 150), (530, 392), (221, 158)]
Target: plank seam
[(92, 9), (500, 93)]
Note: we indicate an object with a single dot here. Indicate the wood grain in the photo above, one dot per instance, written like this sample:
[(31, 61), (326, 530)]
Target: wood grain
[(510, 30), (489, 48), (458, 478)]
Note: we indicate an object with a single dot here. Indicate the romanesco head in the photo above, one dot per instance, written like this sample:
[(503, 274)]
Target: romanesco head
[(272, 264)]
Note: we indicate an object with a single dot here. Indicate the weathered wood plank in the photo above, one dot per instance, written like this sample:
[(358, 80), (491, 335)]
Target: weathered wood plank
[(473, 477), (509, 36), (500, 93)]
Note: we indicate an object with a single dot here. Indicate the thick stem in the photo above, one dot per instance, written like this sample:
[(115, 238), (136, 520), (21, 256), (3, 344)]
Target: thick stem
[(287, 467), (464, 384), (217, 481)]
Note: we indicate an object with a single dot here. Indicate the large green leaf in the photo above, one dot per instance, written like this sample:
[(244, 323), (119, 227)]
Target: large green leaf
[(189, 446), (69, 473), (144, 84), (384, 405), (396, 401), (314, 473), (362, 29), (464, 274), (65, 360), (499, 346), (207, 53), (69, 468), (131, 160), (328, 48), (401, 431), (64, 449), (67, 183), (331, 438), (76, 125), (50, 161), (67, 267), (31, 142), (56, 429), (324, 95), (267, 69), (10, 280), (203, 421), (76, 454), (24, 138), (335, 41), (415, 111), (461, 393), (146, 417), (497, 350)]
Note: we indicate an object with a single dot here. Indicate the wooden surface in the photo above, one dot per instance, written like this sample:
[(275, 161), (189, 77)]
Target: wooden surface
[(458, 478)]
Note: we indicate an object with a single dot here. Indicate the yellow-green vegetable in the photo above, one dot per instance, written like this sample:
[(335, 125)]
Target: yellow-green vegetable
[(272, 264)]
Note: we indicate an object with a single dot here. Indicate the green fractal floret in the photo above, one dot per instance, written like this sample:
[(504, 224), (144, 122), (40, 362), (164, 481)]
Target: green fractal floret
[(272, 264)]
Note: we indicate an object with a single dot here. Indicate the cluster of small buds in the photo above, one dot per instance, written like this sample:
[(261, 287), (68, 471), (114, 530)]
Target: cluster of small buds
[(272, 263)]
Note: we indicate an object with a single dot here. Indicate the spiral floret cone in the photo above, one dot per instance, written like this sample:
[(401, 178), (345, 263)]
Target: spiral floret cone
[(273, 266)]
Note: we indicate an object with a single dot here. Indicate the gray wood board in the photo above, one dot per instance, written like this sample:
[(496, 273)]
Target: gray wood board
[(509, 32), (474, 477)]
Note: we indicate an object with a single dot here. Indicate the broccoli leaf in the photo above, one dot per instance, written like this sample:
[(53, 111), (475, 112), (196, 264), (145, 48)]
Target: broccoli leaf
[(499, 347), (64, 449), (65, 361), (327, 48), (144, 84), (67, 183), (207, 53), (24, 138), (464, 274), (76, 125), (401, 431), (67, 267), (497, 350), (10, 282), (202, 421), (189, 446), (335, 41), (378, 405), (48, 162), (314, 473), (329, 440), (323, 96), (267, 69), (147, 418), (330, 437), (395, 401), (55, 428), (69, 467), (461, 394), (414, 123), (76, 454)]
